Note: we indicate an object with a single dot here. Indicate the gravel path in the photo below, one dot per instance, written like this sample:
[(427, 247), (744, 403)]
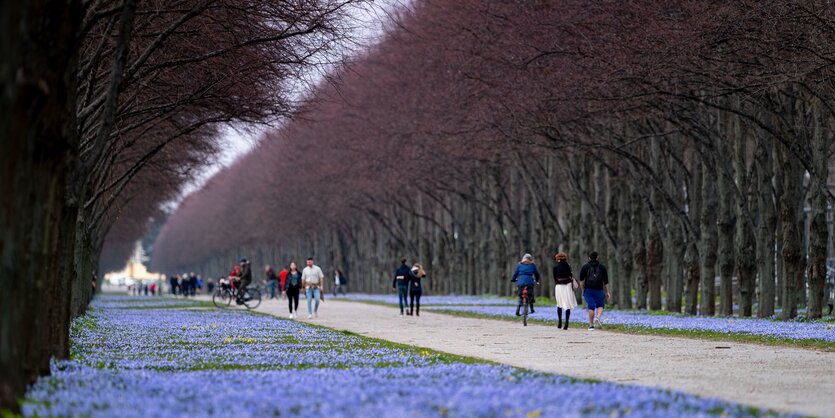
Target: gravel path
[(792, 380)]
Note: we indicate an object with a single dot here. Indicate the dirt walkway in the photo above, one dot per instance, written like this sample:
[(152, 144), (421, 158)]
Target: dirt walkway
[(793, 380)]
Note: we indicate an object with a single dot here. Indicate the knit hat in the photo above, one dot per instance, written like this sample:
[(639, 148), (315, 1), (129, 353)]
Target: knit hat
[(527, 257)]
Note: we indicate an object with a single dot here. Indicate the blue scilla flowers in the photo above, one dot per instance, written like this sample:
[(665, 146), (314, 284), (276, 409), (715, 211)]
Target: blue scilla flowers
[(133, 360)]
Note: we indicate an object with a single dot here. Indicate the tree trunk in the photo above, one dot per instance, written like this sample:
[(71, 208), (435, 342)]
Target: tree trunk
[(765, 230), (708, 249), (624, 287), (725, 245), (655, 256), (744, 238), (790, 210), (640, 251), (818, 233), (37, 150)]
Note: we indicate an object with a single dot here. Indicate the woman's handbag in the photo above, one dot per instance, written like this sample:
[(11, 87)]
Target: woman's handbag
[(574, 283)]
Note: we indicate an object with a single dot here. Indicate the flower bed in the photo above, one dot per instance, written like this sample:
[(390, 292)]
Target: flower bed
[(794, 330), (429, 300), (180, 362)]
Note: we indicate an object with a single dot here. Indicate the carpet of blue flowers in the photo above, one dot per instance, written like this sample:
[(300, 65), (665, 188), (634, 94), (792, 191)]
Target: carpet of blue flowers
[(504, 307), (132, 358), (433, 300), (790, 330)]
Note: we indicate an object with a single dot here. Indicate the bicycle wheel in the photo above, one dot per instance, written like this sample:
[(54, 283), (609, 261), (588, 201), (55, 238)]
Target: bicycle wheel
[(221, 298), (525, 314), (252, 298)]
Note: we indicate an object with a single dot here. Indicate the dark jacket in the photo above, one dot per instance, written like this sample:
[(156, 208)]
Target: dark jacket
[(416, 286), (563, 273), (246, 273), (525, 274), (271, 275), (406, 275), (601, 272), (291, 277), (343, 280)]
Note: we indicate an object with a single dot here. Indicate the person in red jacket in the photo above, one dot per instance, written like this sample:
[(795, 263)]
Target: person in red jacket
[(282, 277)]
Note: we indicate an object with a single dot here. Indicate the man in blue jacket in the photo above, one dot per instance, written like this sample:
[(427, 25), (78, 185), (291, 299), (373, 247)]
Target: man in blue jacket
[(402, 278), (525, 275)]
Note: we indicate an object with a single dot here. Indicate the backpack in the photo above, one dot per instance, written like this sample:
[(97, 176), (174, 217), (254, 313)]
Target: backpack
[(594, 281)]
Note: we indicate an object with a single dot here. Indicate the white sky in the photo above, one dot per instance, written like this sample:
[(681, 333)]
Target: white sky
[(237, 142)]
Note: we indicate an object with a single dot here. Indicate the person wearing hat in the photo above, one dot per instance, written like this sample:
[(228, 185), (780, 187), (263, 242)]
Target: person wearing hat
[(525, 275), (246, 279)]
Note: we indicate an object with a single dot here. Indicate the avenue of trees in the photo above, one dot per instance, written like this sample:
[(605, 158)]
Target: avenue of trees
[(108, 108), (685, 141)]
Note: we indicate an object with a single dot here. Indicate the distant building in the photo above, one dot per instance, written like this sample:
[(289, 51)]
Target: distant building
[(134, 270)]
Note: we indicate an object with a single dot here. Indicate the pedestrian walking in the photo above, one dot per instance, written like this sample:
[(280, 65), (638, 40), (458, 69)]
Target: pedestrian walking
[(564, 288), (340, 282), (172, 280), (292, 288), (282, 277), (402, 279), (272, 281), (594, 280), (525, 275), (192, 283), (313, 280), (416, 289)]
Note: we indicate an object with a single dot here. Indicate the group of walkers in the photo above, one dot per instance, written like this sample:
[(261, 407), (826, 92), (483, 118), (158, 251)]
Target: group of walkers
[(291, 283), (593, 284), (407, 284), (140, 288), (186, 284)]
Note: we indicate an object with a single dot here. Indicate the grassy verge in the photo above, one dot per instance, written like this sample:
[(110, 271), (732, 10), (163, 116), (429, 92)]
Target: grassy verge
[(694, 334)]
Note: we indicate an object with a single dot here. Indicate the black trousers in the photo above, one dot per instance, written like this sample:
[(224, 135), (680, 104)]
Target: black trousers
[(293, 298), (242, 288), (531, 299), (414, 299)]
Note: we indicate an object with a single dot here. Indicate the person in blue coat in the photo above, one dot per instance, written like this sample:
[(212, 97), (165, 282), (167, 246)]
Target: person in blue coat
[(525, 275)]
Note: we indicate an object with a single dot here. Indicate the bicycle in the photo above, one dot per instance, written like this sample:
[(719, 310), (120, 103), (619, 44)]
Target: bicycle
[(525, 304), (226, 292)]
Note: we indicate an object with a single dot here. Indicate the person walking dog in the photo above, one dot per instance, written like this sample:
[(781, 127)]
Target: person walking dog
[(594, 281)]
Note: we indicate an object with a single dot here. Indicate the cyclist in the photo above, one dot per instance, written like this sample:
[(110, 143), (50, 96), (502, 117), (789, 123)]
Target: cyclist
[(245, 279), (525, 275)]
